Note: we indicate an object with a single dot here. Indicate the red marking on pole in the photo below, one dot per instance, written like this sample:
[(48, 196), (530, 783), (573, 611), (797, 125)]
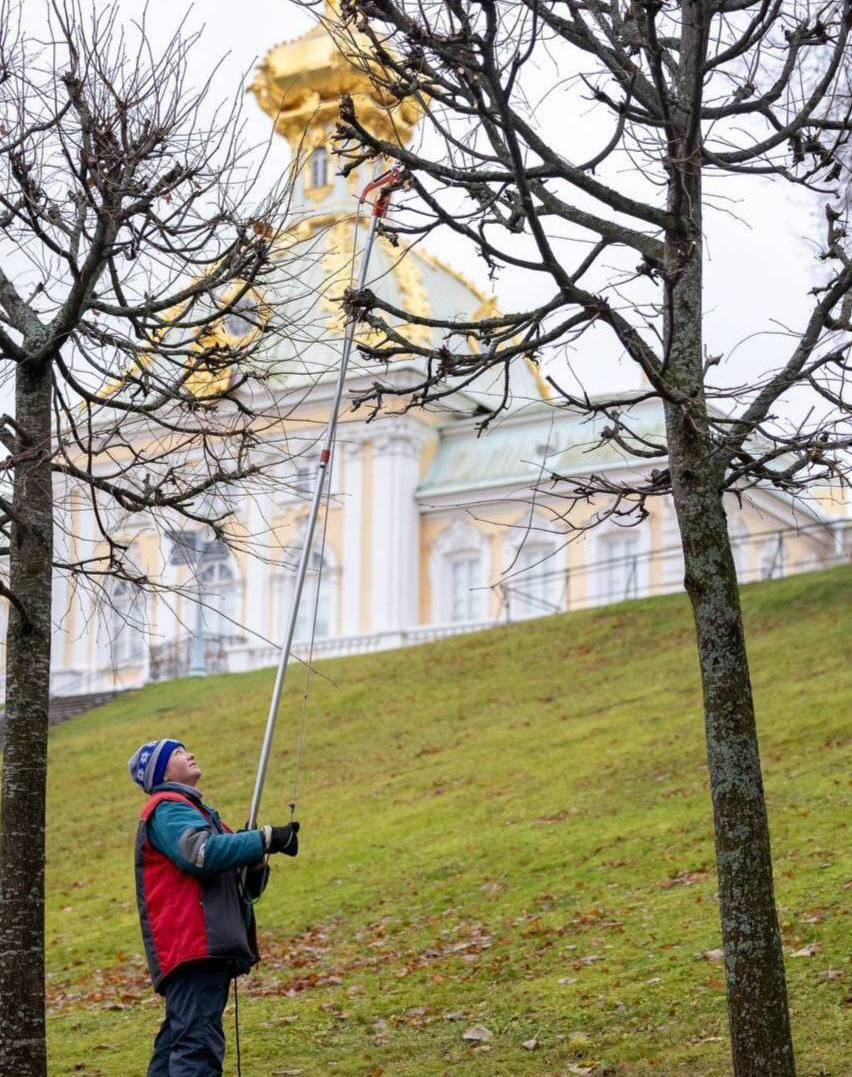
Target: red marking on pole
[(325, 456), (385, 184)]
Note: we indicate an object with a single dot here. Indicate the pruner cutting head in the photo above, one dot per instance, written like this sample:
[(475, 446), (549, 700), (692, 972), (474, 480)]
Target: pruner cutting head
[(385, 184)]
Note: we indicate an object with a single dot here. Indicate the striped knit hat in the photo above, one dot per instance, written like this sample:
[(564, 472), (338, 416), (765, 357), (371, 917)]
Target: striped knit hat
[(148, 764)]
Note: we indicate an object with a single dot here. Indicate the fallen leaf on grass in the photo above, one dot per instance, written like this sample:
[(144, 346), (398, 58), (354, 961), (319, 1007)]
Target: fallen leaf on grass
[(831, 974), (477, 1034), (456, 1015), (589, 959), (713, 955), (807, 951), (685, 878)]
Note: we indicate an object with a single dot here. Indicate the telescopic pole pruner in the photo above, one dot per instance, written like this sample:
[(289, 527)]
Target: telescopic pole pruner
[(384, 186)]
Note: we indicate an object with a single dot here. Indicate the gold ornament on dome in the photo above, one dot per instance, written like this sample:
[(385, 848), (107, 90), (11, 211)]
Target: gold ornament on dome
[(299, 84), (337, 267), (240, 326), (415, 298)]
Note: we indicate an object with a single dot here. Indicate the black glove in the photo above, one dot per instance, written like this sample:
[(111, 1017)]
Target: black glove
[(282, 839)]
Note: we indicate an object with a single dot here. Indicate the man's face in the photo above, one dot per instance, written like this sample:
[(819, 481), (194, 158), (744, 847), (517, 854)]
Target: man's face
[(182, 768)]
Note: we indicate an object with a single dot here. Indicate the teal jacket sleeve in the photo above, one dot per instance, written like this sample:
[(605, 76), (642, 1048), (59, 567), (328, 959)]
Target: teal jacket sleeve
[(182, 834)]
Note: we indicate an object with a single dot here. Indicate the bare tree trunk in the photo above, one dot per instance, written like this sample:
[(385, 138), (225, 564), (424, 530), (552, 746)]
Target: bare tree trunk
[(22, 1028), (754, 961)]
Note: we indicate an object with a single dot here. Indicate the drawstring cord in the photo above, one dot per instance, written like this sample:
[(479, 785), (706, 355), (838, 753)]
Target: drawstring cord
[(237, 1026)]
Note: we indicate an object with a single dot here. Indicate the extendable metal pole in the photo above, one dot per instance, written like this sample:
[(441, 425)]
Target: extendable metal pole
[(319, 486)]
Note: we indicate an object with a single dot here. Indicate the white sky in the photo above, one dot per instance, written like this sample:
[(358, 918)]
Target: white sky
[(760, 267)]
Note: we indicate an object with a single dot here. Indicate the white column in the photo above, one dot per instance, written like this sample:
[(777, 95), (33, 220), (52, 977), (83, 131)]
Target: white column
[(352, 487), (85, 613), (62, 618), (395, 554), (258, 510)]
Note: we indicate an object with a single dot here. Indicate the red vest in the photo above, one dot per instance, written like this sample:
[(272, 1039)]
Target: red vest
[(189, 917)]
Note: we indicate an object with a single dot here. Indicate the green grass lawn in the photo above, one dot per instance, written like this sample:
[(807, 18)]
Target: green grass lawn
[(509, 830)]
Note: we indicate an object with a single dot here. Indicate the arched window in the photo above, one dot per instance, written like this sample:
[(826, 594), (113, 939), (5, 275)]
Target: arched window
[(322, 573), (622, 569), (535, 586), (218, 582), (465, 568), (535, 580), (460, 571), (620, 565), (319, 167), (242, 319), (126, 623)]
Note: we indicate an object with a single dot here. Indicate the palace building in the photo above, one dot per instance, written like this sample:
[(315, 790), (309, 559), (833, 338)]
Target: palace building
[(430, 530)]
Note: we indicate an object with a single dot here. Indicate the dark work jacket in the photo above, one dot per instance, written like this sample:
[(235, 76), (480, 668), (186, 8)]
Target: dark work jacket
[(191, 916)]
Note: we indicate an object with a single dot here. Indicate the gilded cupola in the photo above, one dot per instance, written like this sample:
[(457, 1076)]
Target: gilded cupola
[(299, 85)]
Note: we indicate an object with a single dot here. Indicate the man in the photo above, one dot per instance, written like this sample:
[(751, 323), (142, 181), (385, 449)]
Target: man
[(195, 884)]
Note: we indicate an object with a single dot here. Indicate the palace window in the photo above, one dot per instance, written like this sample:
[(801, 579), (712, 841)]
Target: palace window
[(621, 570), (322, 573), (219, 585), (241, 320), (318, 169), (459, 570), (465, 598), (126, 623), (535, 585)]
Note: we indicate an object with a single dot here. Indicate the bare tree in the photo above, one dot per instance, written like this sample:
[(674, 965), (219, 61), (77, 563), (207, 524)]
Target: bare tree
[(138, 273), (677, 96)]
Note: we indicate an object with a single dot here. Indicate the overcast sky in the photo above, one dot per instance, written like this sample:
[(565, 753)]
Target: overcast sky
[(760, 263)]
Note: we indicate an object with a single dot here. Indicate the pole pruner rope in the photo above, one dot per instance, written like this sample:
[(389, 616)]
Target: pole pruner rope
[(383, 186)]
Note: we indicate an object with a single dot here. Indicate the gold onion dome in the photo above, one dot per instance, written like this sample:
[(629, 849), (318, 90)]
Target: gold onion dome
[(299, 84)]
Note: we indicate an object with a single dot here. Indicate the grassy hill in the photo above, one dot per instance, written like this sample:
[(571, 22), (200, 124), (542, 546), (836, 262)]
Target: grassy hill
[(509, 830)]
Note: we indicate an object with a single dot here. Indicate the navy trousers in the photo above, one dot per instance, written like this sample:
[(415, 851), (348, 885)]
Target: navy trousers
[(191, 1040)]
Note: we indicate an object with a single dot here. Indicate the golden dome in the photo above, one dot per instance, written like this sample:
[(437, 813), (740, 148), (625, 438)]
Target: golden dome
[(299, 84)]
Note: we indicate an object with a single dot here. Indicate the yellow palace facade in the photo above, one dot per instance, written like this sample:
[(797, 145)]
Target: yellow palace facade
[(430, 529)]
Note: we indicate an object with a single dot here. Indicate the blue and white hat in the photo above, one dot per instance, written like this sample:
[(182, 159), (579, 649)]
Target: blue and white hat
[(148, 764)]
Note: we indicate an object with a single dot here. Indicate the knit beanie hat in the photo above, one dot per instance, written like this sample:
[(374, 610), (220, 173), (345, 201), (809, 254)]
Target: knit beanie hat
[(148, 764)]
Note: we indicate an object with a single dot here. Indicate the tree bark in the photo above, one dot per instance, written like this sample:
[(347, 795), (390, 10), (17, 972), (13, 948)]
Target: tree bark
[(22, 1025), (761, 1040)]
